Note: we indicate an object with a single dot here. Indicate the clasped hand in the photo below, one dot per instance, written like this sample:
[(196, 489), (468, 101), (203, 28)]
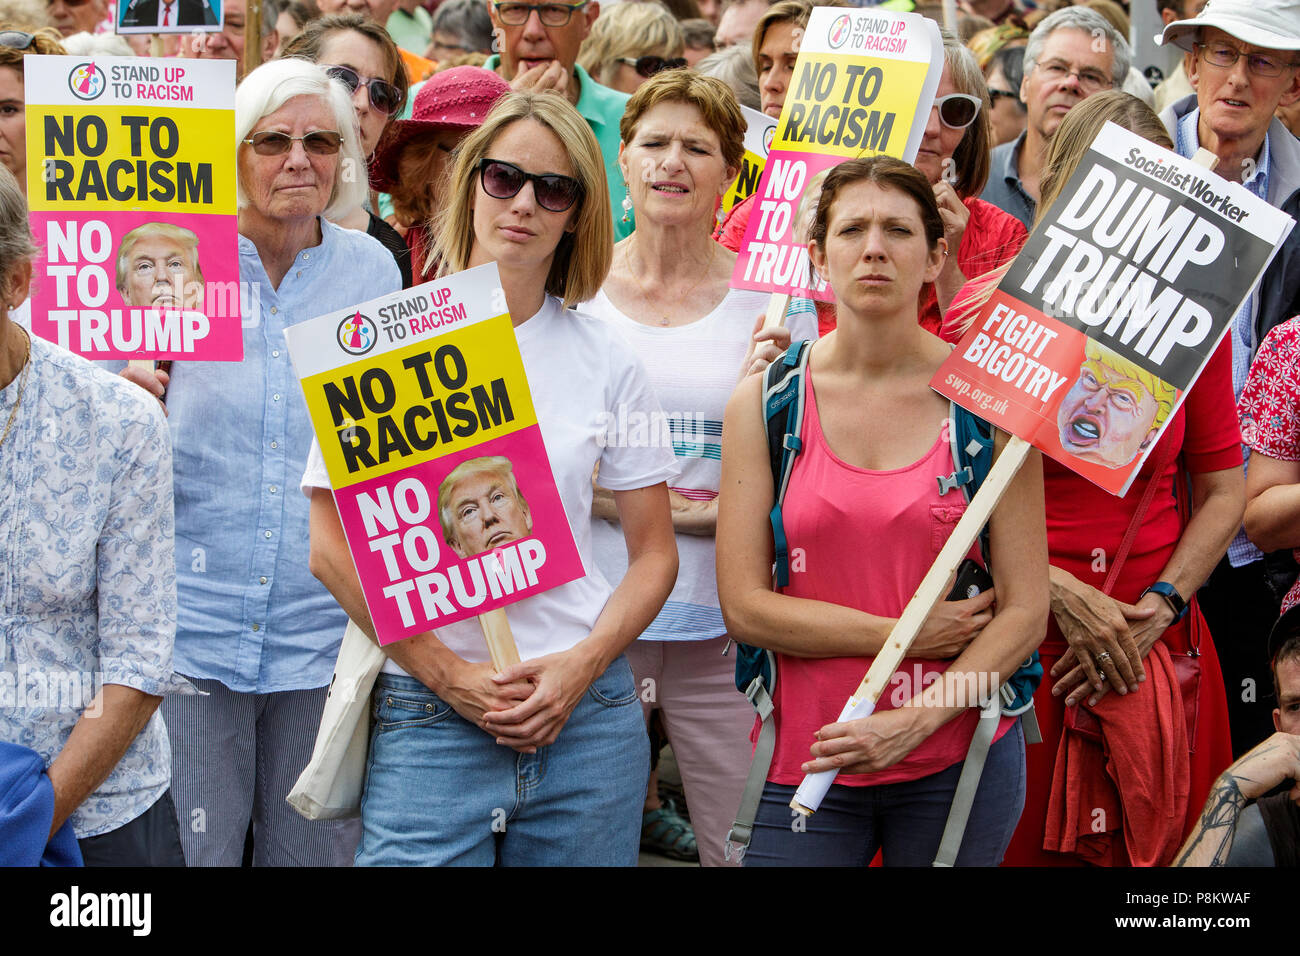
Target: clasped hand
[(1108, 640)]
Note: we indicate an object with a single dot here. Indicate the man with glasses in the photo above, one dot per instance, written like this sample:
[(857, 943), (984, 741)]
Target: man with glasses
[(1245, 64), (1071, 54), (538, 46), (77, 16)]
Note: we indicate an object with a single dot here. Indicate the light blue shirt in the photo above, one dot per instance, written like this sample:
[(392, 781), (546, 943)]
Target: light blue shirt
[(251, 614), (87, 580), (1242, 331)]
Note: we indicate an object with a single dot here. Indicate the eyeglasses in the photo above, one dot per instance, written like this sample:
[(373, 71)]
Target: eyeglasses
[(551, 14), (503, 180), (995, 95), (648, 66), (958, 110), (322, 142), (384, 96), (1089, 80), (1225, 56), (16, 39)]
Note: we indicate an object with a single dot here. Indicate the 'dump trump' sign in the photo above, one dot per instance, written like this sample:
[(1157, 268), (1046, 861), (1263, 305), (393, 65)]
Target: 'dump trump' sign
[(1123, 291)]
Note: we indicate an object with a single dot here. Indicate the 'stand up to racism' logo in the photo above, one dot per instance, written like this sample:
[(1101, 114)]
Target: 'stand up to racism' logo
[(767, 139), (357, 334), (838, 34), (86, 81)]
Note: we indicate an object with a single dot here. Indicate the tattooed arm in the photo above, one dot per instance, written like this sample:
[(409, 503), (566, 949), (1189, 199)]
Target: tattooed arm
[(1275, 760)]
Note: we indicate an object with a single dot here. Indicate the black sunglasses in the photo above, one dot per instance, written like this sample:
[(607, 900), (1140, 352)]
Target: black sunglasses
[(503, 180), (648, 66), (384, 96), (323, 142)]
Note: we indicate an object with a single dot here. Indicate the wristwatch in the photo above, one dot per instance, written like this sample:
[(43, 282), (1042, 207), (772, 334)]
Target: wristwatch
[(1171, 596)]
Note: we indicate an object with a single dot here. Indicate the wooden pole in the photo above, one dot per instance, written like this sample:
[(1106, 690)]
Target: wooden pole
[(500, 640), (253, 37), (863, 702), (950, 16), (776, 309)]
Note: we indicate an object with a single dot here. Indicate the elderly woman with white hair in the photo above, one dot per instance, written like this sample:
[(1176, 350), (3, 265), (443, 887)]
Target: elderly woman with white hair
[(257, 632)]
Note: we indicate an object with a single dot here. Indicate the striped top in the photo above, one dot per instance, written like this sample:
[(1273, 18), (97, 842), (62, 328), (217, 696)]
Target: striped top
[(693, 369)]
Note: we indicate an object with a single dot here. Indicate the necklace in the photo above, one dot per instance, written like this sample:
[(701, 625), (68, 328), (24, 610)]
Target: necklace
[(664, 319), (22, 385)]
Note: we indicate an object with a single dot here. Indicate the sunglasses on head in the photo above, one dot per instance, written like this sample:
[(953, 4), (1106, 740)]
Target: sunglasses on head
[(503, 180), (16, 39), (958, 110), (384, 96), (322, 142), (648, 66)]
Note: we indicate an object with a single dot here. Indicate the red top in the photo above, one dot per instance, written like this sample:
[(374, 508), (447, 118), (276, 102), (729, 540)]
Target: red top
[(1085, 524), (832, 512), (992, 237)]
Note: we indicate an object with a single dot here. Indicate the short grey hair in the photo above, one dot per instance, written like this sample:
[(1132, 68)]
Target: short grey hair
[(16, 242), (468, 20), (272, 85), (1090, 22), (735, 67)]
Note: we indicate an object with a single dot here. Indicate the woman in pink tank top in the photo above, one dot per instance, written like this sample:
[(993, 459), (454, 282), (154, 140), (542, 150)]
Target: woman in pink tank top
[(865, 520)]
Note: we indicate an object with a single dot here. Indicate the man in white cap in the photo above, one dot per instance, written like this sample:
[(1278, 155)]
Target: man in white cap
[(1245, 64)]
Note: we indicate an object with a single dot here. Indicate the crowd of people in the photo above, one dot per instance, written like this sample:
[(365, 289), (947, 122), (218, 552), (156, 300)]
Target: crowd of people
[(170, 534)]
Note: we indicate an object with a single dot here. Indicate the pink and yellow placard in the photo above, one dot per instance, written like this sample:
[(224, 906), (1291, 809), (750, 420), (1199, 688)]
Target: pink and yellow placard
[(424, 418), (131, 185)]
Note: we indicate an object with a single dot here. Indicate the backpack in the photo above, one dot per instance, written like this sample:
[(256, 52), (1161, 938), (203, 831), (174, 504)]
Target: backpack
[(971, 440)]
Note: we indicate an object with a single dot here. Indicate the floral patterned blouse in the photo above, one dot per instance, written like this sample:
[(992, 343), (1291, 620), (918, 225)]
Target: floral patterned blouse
[(87, 575), (1269, 407)]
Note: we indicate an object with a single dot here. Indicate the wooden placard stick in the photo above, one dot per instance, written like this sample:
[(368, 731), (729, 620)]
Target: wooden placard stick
[(253, 36), (863, 702), (950, 16), (500, 639), (776, 309)]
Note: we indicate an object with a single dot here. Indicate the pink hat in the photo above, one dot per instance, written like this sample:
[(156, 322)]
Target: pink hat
[(459, 98)]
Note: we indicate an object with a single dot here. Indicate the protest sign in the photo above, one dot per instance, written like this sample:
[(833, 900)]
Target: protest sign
[(170, 16), (131, 185), (1126, 287), (429, 435), (759, 131), (862, 85), (1120, 296)]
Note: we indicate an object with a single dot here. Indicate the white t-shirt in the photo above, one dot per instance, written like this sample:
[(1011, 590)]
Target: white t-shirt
[(693, 369), (579, 373)]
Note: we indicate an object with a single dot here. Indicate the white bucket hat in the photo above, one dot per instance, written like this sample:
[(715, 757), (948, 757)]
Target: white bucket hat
[(1272, 24)]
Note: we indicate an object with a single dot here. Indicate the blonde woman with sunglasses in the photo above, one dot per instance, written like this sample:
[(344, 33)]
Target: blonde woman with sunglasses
[(543, 763)]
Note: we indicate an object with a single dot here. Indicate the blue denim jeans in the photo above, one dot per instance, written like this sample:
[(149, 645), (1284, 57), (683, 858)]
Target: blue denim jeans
[(904, 820), (439, 791)]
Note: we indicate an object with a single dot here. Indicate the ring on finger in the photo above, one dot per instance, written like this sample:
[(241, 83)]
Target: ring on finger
[(1103, 657)]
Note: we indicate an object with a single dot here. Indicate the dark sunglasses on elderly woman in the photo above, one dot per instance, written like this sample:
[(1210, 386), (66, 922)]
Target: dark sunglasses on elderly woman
[(958, 110), (648, 66), (322, 142), (384, 96), (503, 180)]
